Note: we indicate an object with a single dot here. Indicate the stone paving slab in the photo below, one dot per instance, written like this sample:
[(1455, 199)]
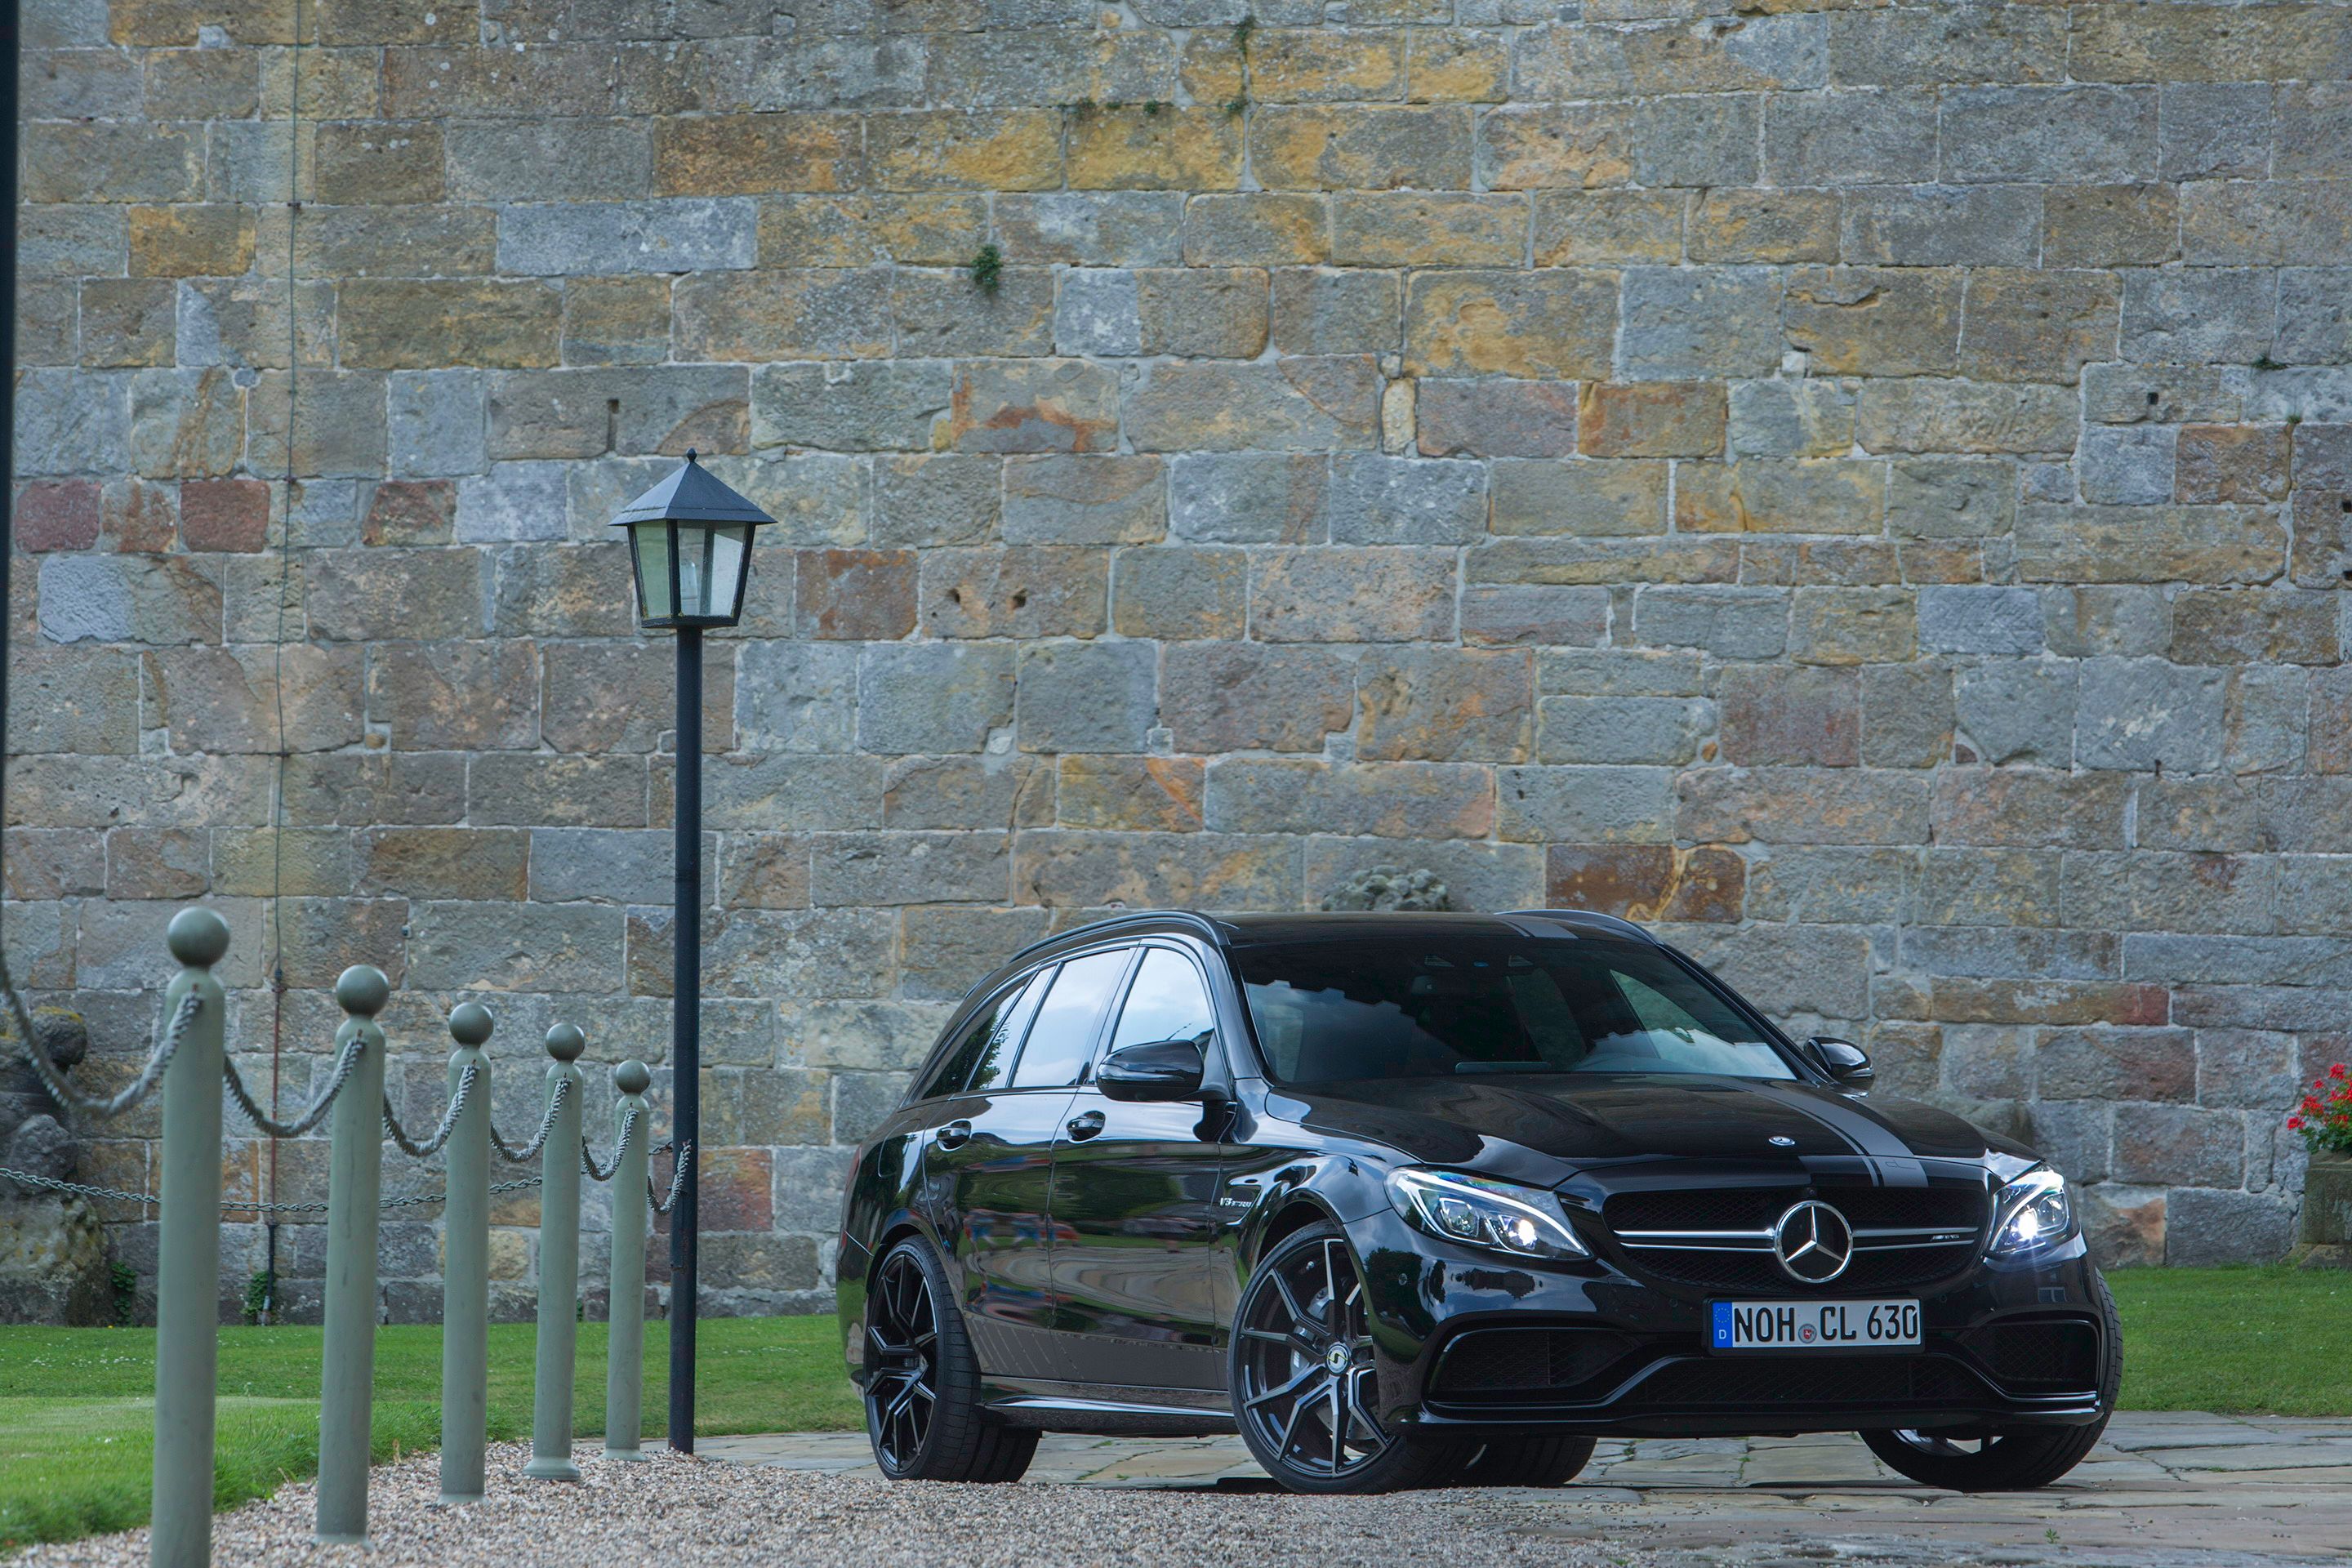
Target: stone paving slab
[(2170, 1489)]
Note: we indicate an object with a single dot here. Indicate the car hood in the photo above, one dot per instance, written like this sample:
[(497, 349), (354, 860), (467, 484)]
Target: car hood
[(1544, 1126)]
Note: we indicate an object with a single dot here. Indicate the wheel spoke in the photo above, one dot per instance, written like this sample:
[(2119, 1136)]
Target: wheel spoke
[(1297, 1313), (1339, 1426), (1314, 1370), (1290, 1426)]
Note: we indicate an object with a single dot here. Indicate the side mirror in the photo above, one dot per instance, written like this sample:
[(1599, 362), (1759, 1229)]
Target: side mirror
[(1843, 1060), (1161, 1070)]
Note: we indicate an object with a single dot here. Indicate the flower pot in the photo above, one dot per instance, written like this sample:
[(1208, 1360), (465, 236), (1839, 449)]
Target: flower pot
[(2328, 1200)]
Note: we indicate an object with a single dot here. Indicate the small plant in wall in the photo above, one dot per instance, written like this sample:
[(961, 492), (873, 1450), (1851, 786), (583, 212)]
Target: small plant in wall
[(987, 267), (2324, 1119)]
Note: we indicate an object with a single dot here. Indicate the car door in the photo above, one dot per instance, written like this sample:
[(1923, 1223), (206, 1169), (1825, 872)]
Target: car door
[(990, 1157), (1134, 1208)]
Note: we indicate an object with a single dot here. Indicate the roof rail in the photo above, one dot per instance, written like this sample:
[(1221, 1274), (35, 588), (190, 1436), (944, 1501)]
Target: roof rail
[(1592, 917), (1201, 924)]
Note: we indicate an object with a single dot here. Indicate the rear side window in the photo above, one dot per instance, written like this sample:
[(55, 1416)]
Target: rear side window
[(1167, 1002), (982, 1054), (1065, 1030)]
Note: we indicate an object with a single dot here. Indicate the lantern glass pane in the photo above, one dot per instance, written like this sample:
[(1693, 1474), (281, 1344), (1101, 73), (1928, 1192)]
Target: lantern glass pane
[(649, 553), (711, 568)]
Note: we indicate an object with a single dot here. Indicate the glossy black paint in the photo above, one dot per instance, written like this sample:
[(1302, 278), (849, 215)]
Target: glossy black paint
[(1098, 1246)]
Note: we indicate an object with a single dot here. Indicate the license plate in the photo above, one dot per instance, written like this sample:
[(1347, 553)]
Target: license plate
[(1812, 1325)]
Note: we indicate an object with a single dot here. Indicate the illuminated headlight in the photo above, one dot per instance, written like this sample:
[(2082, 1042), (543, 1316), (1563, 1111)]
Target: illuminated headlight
[(2032, 1212), (1503, 1215)]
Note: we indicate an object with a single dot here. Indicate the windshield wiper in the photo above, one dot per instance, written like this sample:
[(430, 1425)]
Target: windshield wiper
[(1507, 1066)]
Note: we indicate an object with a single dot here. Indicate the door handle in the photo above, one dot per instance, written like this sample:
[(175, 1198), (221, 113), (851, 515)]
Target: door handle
[(1085, 1127), (954, 1135)]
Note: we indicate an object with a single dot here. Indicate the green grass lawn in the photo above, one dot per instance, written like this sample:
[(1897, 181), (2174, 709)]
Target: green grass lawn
[(77, 1416), (76, 1419)]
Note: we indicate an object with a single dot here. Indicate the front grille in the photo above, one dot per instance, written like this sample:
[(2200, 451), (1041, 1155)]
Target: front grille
[(2040, 1354), (1811, 1380), (1755, 1208), (1728, 1269), (1747, 1265), (1503, 1364)]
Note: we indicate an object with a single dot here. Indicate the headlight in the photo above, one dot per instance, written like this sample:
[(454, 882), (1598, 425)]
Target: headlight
[(2031, 1213), (1504, 1216)]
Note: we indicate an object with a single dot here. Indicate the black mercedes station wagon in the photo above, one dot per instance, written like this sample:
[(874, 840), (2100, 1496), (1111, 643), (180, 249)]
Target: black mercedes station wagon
[(1420, 1200)]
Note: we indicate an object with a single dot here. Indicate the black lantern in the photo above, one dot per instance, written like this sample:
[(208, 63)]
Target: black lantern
[(690, 549), (690, 553)]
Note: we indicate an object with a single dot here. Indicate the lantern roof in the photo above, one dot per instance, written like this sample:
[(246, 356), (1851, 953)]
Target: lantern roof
[(691, 494)]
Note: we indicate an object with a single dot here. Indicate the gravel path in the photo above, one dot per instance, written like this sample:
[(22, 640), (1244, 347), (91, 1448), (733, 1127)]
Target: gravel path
[(697, 1513)]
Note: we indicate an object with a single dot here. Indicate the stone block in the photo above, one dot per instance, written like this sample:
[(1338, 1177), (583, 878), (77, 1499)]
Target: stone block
[(1968, 618), (2227, 223), (1505, 613), (2110, 226), (1096, 312), (1300, 403), (2138, 714), (733, 155), (1248, 498), (335, 430), (514, 947), (1645, 881), (958, 791), (895, 868), (1144, 794), (1920, 414), (114, 161), (156, 600), (1179, 594), (2197, 316), (1154, 147), (128, 322), (795, 697), (1067, 868), (1063, 499), (1256, 228), (1359, 147), (1391, 800), (1197, 312), (1876, 321), (1579, 498), (1403, 500), (928, 698), (1774, 225), (617, 321), (1789, 716), (1445, 705), (1906, 715), (689, 235), (1036, 405), (1683, 325), (1770, 495), (538, 789), (1415, 229), (1613, 804), (1661, 730), (1941, 226), (1610, 227), (950, 950), (1037, 590), (514, 502), (185, 423), (435, 422), (2017, 712), (61, 515), (1495, 417), (921, 228), (855, 595), (1781, 805), (491, 863), (2203, 1227), (1651, 419), (799, 314), (1854, 625), (1550, 324), (2045, 132), (2180, 1145), (2024, 325), (1319, 312), (936, 499), (1352, 594), (75, 700), (1085, 696), (1867, 136), (1701, 141), (403, 161), (455, 697), (1230, 697), (945, 312), (2212, 544), (2028, 808), (858, 408)]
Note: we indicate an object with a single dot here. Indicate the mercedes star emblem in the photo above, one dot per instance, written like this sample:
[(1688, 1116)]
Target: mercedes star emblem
[(1781, 1141), (1813, 1243)]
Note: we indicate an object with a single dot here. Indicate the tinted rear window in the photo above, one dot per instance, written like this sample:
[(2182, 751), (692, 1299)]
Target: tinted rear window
[(1328, 1012)]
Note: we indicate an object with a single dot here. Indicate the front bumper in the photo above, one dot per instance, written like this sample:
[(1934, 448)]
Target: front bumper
[(1470, 1339)]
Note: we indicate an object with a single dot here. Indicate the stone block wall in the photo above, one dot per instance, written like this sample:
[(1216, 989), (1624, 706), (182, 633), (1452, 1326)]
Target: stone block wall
[(1868, 487)]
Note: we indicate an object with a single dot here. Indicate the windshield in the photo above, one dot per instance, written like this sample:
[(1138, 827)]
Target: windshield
[(1332, 1010)]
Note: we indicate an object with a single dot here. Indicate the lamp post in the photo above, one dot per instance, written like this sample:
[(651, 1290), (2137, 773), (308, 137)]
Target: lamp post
[(691, 556)]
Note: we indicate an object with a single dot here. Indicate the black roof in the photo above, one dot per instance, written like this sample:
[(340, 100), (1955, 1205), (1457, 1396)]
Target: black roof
[(1234, 931)]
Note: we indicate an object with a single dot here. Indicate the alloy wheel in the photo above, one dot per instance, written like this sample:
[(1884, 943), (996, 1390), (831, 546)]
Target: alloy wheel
[(1305, 1363), (902, 1362)]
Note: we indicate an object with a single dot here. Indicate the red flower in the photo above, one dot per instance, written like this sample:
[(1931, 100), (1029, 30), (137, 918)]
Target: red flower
[(2294, 1123), (2338, 1070)]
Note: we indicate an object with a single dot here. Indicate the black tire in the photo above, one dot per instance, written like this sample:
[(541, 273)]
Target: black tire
[(1300, 1407), (1527, 1462), (923, 1414), (2016, 1458)]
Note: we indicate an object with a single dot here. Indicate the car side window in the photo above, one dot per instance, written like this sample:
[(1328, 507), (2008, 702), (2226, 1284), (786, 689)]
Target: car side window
[(1167, 1002), (1064, 1033), (987, 1042), (992, 1063)]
